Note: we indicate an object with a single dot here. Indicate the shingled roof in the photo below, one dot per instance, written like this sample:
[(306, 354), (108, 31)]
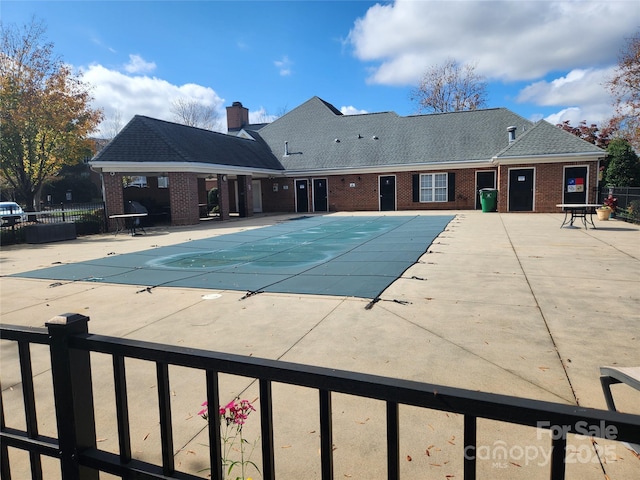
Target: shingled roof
[(543, 139), (150, 140), (319, 137)]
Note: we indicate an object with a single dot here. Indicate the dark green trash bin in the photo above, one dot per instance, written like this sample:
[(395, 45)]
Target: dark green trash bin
[(489, 199)]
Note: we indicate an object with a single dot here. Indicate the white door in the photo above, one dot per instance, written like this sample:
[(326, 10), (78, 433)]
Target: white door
[(256, 186)]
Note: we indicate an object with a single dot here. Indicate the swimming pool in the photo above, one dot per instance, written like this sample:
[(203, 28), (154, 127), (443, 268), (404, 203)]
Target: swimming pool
[(324, 255)]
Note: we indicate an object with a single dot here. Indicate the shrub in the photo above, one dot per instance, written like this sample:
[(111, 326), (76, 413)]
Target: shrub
[(634, 211), (90, 222), (12, 235), (212, 198), (88, 227)]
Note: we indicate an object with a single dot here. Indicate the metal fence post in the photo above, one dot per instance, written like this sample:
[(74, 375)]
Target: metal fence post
[(73, 395)]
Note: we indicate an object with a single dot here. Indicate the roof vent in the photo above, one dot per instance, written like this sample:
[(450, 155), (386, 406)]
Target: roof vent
[(375, 137), (286, 149), (512, 133), (337, 140)]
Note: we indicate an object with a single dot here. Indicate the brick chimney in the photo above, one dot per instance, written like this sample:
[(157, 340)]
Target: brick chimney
[(237, 116)]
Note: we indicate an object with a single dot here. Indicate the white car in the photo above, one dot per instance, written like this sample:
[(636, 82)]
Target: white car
[(11, 213)]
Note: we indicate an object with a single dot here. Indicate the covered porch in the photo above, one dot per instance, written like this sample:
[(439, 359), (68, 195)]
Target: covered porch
[(182, 198)]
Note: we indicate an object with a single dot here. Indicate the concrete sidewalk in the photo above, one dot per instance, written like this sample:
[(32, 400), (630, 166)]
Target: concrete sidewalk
[(503, 303)]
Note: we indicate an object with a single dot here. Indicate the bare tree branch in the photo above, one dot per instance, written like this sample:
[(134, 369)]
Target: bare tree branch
[(114, 125), (194, 114), (450, 87), (625, 87)]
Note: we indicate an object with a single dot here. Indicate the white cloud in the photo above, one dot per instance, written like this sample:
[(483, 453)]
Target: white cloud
[(97, 41), (573, 114), (577, 42), (507, 40), (577, 86), (261, 116), (351, 110), (284, 66), (583, 90), (128, 95), (137, 64), (597, 114)]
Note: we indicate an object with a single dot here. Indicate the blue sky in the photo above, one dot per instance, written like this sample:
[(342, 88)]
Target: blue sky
[(542, 58)]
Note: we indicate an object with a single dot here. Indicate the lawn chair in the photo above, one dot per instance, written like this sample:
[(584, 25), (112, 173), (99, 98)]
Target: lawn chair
[(627, 375)]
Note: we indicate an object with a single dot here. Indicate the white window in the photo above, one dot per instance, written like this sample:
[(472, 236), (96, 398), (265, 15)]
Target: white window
[(163, 182), (433, 187)]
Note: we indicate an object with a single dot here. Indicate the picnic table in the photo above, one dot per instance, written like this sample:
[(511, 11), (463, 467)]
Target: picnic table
[(128, 221), (584, 211)]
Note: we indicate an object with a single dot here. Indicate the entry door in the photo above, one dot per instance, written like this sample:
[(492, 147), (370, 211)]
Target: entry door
[(575, 185), (388, 193), (320, 203), (521, 190), (256, 186), (302, 196), (484, 180)]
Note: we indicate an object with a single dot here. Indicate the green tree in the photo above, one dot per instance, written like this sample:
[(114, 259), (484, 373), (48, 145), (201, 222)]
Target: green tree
[(75, 178), (45, 118), (623, 169)]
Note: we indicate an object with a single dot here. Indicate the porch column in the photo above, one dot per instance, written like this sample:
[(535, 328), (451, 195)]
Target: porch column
[(183, 198), (503, 188), (223, 197), (113, 196), (245, 196)]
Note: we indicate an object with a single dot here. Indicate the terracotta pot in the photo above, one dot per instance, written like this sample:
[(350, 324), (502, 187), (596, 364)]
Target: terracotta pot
[(603, 213)]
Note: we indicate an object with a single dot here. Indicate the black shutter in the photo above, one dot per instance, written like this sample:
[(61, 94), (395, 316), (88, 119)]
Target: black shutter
[(451, 187), (416, 187)]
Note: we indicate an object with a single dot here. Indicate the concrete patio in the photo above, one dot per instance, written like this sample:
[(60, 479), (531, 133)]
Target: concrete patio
[(502, 303)]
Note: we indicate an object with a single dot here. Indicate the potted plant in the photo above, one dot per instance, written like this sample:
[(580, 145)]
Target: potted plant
[(612, 203), (603, 212)]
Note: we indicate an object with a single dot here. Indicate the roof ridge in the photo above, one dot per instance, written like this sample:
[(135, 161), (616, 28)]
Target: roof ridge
[(540, 125), (517, 139), (477, 110), (152, 123), (389, 112), (330, 106)]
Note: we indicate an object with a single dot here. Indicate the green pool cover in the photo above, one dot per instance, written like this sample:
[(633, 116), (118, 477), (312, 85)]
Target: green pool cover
[(324, 255)]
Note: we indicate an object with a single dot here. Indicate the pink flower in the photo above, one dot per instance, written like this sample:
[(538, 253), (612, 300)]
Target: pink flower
[(232, 418), (232, 413)]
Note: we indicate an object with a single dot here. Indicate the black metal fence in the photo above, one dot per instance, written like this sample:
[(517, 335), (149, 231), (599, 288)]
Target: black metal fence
[(625, 195), (89, 218), (628, 202), (80, 458)]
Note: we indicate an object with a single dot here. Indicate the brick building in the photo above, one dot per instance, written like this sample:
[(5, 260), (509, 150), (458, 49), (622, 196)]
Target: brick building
[(315, 159)]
